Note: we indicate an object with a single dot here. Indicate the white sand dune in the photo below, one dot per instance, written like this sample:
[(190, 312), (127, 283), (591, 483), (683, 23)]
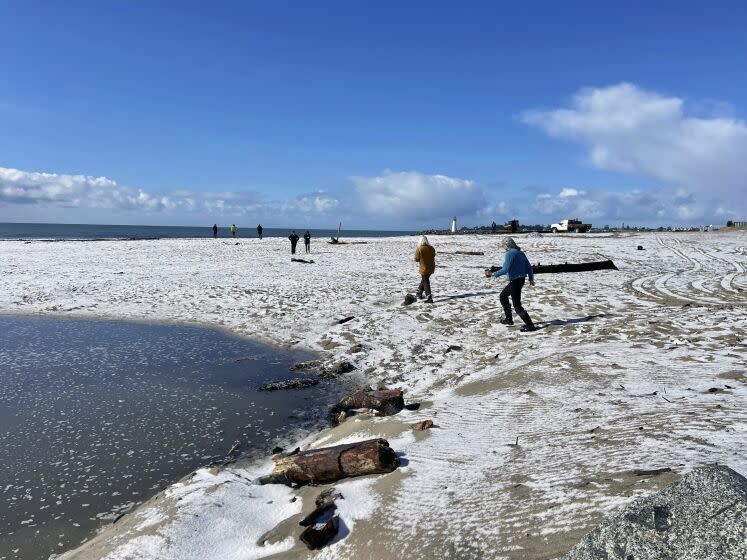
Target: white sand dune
[(639, 368)]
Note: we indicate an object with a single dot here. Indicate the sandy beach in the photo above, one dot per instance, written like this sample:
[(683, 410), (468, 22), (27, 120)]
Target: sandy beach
[(640, 368)]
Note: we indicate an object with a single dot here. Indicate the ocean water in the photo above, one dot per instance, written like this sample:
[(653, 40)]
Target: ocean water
[(90, 232), (98, 416)]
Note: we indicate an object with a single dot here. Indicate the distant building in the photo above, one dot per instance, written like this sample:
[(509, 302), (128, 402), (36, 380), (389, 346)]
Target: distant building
[(453, 225)]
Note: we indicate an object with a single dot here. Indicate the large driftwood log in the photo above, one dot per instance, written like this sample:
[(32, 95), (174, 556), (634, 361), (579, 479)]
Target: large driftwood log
[(386, 402), (568, 267), (327, 464)]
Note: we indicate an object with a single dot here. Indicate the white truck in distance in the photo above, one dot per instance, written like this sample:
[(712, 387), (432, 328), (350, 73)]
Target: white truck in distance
[(570, 225)]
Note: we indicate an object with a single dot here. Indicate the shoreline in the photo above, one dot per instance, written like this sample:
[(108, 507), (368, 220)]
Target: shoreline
[(594, 338)]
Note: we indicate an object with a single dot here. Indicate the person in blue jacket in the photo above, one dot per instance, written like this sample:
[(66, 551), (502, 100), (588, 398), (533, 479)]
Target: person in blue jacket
[(517, 267)]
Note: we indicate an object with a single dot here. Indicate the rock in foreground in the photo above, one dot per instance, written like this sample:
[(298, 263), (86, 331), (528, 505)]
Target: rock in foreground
[(703, 516)]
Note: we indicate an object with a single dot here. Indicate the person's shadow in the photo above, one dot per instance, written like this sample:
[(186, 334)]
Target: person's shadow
[(469, 295), (560, 322)]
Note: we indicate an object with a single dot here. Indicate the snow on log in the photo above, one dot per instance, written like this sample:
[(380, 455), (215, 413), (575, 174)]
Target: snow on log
[(327, 464)]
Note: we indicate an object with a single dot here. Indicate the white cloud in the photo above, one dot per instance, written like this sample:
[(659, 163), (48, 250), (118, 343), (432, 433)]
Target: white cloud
[(316, 203), (631, 130), (416, 196), (53, 190), (565, 193)]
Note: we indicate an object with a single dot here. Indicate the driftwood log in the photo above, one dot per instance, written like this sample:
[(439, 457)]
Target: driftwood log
[(327, 464), (567, 267), (302, 261), (386, 402)]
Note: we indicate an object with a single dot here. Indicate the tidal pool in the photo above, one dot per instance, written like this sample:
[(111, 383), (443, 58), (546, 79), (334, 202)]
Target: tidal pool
[(97, 416)]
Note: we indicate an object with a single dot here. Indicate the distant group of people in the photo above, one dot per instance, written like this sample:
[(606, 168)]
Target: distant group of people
[(234, 230), (515, 265), (294, 241), (260, 231)]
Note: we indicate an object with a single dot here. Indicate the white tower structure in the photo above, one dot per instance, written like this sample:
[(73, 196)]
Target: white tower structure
[(453, 225)]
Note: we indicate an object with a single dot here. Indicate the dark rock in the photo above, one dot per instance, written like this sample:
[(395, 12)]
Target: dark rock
[(319, 534), (452, 348), (295, 383), (277, 450), (640, 247), (345, 320), (306, 366), (412, 406), (330, 495), (703, 516), (409, 299)]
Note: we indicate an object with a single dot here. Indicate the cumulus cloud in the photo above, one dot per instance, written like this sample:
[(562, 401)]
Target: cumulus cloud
[(314, 203), (631, 130), (416, 196), (669, 206), (55, 190)]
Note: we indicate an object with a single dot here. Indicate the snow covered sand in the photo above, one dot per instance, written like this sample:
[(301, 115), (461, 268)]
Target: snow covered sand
[(636, 369)]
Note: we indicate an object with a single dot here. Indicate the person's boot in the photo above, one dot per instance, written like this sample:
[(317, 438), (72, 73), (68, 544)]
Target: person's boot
[(419, 294), (528, 325), (429, 299), (508, 319)]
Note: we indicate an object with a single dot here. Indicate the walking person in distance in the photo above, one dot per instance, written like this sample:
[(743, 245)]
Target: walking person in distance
[(259, 230), (425, 254), (215, 230), (307, 241), (517, 267), (234, 229)]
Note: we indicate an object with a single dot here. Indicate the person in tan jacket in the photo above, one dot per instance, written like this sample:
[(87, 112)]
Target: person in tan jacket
[(425, 254)]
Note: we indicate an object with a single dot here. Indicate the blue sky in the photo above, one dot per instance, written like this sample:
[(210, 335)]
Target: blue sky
[(381, 114)]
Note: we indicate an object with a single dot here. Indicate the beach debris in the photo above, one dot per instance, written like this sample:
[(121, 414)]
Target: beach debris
[(409, 299), (640, 247), (566, 267), (453, 347), (295, 383), (421, 426), (335, 369), (317, 535), (324, 371), (301, 260), (328, 464), (475, 253), (310, 365), (345, 320), (651, 472), (386, 402), (702, 516), (412, 406)]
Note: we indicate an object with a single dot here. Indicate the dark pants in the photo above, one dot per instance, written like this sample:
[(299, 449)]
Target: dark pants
[(308, 246), (293, 247), (513, 290), (260, 235), (425, 284)]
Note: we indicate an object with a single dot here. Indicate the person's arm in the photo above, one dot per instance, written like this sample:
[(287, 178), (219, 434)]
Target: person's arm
[(531, 272), (416, 258), (504, 269)]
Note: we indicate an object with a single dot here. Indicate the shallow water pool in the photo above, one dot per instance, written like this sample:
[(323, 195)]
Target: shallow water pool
[(97, 416)]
